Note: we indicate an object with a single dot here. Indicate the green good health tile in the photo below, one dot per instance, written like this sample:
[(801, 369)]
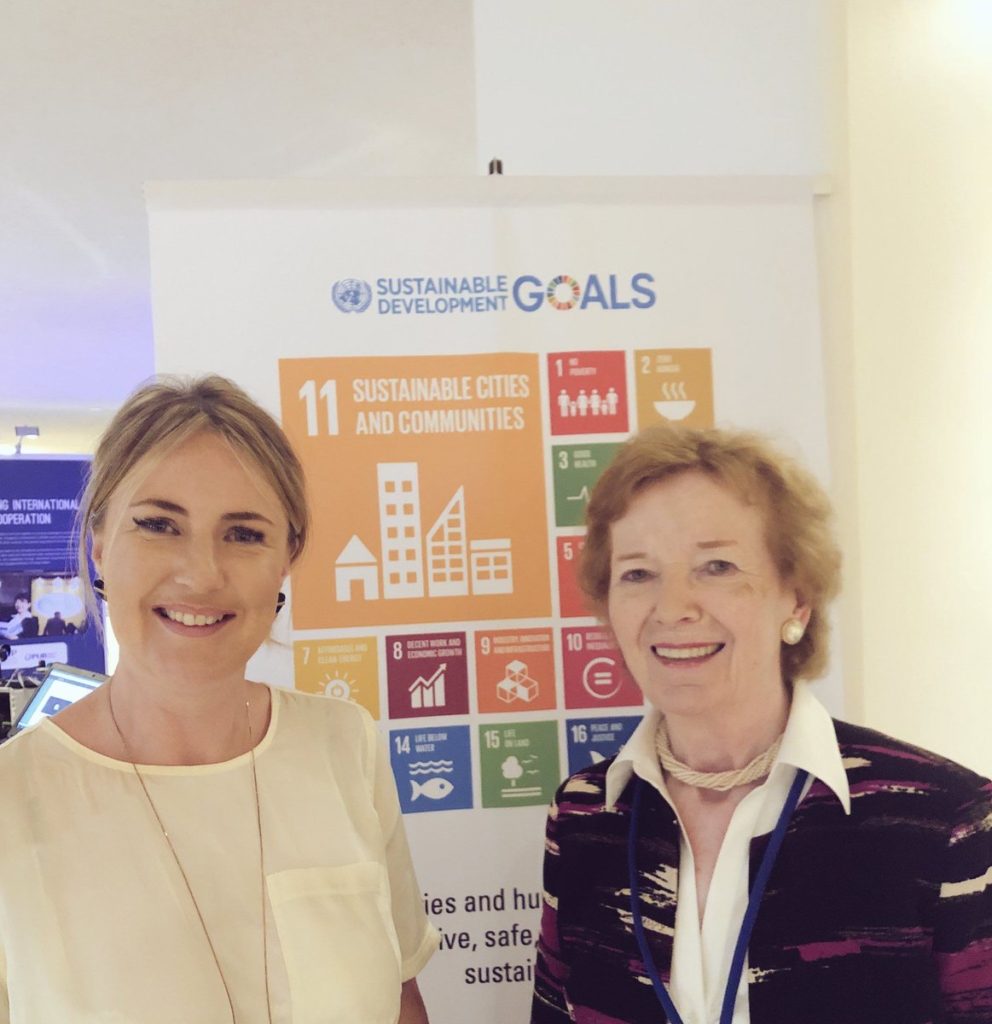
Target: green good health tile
[(575, 468), (519, 763)]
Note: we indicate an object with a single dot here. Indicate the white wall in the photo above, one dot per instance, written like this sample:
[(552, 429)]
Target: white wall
[(578, 87), (893, 102), (711, 87), (920, 114), (99, 97)]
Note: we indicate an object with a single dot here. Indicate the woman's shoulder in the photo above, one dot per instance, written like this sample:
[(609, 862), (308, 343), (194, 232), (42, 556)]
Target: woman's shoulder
[(13, 753), (584, 791), (296, 702), (24, 760), (332, 720), (874, 759), (18, 752)]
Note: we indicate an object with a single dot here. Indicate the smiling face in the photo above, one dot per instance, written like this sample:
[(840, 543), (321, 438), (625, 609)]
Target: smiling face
[(695, 600), (192, 555)]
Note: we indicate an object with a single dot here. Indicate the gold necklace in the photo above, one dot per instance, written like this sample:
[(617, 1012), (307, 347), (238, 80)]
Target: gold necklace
[(179, 864), (756, 769)]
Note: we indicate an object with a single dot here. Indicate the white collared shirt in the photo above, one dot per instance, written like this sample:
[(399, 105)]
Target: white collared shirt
[(701, 955)]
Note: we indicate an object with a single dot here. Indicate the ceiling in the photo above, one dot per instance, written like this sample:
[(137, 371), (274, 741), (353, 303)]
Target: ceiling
[(104, 95)]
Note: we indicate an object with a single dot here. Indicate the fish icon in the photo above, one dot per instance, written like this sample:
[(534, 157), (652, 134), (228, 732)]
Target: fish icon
[(434, 789)]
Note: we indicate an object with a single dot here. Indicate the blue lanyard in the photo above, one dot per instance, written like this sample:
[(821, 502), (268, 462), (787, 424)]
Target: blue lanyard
[(750, 915)]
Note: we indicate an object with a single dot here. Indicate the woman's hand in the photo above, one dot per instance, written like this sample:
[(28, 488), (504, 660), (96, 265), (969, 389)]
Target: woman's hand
[(412, 1009)]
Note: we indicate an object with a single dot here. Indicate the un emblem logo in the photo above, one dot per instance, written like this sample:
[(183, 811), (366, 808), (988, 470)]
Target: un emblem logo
[(351, 295)]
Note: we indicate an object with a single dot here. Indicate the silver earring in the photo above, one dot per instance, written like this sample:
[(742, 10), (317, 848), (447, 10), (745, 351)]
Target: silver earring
[(792, 632)]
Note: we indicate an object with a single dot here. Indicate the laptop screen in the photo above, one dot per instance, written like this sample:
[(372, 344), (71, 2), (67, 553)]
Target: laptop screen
[(60, 686)]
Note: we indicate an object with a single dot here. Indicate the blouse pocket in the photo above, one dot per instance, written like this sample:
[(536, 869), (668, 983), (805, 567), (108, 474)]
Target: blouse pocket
[(339, 944)]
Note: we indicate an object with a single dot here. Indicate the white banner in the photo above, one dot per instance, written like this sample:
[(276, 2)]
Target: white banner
[(455, 362)]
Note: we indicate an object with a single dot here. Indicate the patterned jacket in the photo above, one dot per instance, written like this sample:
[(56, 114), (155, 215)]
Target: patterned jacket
[(880, 917)]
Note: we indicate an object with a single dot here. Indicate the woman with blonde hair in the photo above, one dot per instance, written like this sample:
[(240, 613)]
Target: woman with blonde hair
[(744, 859), (184, 844)]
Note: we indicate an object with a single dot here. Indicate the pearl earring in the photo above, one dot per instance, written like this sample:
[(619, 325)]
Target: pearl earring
[(792, 631)]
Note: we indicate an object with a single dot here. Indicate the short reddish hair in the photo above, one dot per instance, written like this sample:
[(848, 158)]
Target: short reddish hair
[(797, 513)]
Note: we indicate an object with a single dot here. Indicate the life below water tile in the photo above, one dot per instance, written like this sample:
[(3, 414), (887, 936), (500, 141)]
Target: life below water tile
[(433, 767)]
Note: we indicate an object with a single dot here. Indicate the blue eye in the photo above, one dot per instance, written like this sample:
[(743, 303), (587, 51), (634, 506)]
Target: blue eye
[(719, 567), (156, 524), (245, 535), (634, 576)]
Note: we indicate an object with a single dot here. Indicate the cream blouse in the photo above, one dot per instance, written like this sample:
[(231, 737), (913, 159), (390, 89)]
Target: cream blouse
[(96, 924)]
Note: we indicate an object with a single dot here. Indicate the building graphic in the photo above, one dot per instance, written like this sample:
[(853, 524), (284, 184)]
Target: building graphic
[(399, 530), (356, 565), (454, 565), (428, 693), (447, 554), (492, 566)]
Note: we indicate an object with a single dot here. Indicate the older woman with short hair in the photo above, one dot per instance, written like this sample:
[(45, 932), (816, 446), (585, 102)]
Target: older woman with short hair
[(744, 859), (185, 846)]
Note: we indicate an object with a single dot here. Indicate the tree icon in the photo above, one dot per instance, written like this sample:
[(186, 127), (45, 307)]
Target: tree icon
[(512, 769)]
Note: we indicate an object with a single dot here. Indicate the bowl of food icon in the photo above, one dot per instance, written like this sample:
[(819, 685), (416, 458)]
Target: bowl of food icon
[(675, 409)]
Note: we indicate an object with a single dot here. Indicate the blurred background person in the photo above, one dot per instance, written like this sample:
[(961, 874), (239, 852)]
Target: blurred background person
[(22, 623)]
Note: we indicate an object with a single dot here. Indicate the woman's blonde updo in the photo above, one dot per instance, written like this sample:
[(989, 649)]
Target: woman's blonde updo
[(164, 413)]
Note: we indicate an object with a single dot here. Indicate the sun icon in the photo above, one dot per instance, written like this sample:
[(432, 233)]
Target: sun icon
[(338, 686)]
